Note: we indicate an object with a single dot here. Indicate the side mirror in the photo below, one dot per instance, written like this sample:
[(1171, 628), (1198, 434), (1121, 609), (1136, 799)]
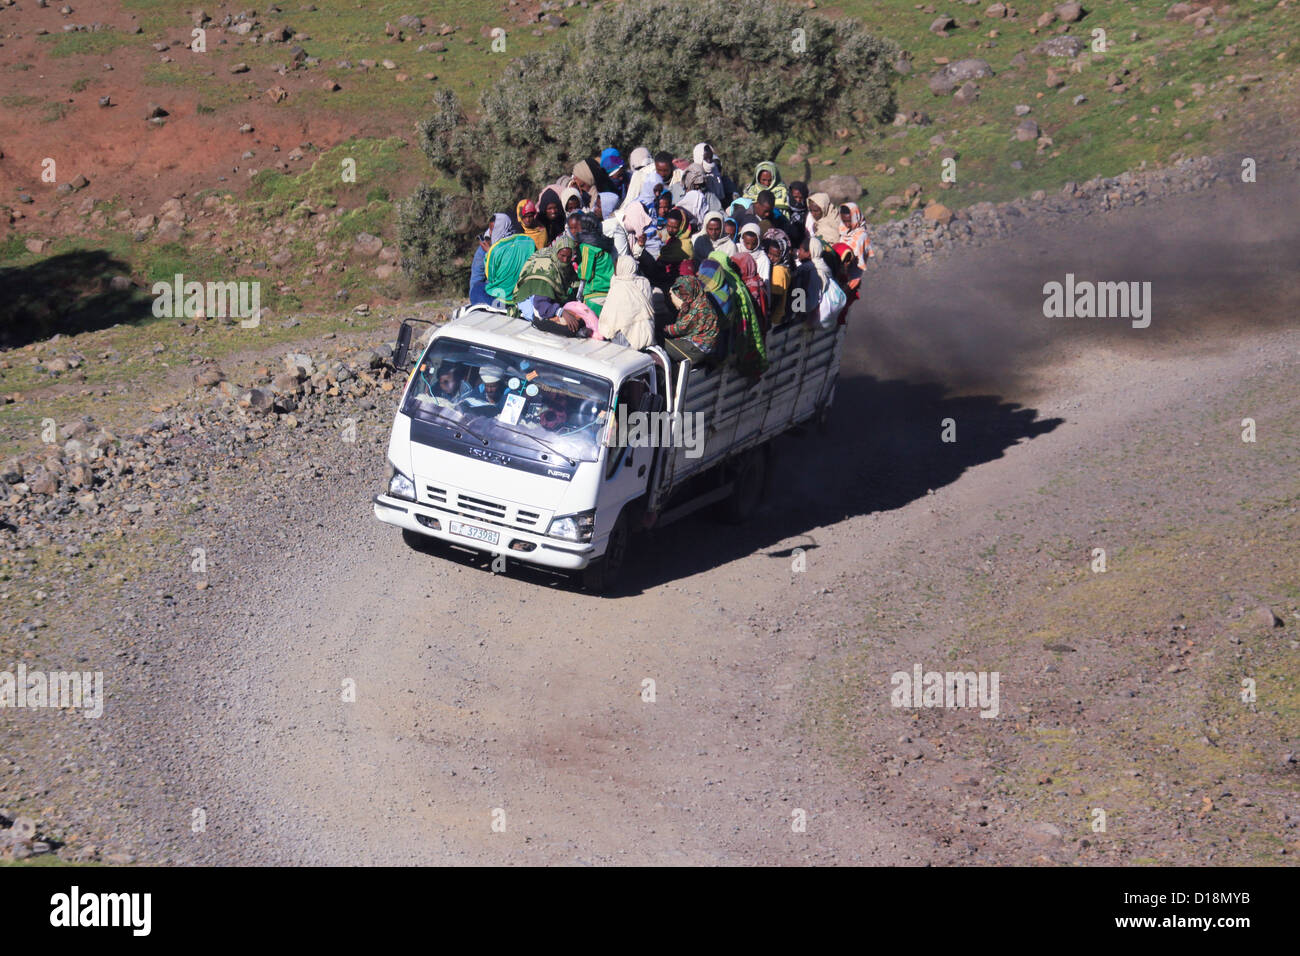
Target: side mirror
[(402, 350)]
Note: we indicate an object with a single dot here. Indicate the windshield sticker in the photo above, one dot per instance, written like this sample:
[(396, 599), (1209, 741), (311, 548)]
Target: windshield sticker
[(513, 408)]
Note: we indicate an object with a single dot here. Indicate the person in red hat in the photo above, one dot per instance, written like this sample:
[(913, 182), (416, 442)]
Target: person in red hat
[(526, 210)]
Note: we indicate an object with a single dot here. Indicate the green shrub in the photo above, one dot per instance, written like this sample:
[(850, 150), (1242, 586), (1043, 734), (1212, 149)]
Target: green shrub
[(747, 76), (434, 232)]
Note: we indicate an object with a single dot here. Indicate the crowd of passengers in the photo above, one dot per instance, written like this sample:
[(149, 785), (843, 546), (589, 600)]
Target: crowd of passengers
[(659, 250)]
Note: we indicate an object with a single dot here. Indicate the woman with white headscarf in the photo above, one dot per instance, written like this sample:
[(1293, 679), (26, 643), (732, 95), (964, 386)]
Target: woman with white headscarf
[(761, 262), (696, 199), (567, 195), (629, 309), (640, 187), (812, 277), (823, 219), (707, 159)]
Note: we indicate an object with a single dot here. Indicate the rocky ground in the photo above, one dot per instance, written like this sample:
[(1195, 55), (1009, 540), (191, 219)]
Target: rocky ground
[(218, 561)]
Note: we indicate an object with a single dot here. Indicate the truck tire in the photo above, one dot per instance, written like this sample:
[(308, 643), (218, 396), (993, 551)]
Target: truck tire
[(749, 477), (602, 574)]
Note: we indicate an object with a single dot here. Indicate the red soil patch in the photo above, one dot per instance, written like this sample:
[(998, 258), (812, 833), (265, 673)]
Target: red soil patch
[(114, 147)]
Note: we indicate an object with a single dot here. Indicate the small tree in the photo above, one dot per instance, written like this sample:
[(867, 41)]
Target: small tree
[(744, 75), (435, 233)]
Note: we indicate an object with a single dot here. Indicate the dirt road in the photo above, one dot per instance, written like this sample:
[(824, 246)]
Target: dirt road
[(477, 693)]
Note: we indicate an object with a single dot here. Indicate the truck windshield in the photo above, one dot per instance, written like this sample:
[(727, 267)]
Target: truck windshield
[(500, 398)]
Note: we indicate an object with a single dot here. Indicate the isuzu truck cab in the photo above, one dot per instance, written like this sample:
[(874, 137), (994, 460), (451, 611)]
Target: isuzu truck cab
[(517, 442)]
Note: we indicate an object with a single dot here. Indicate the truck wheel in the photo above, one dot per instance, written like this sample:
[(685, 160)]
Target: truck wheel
[(750, 485), (603, 573)]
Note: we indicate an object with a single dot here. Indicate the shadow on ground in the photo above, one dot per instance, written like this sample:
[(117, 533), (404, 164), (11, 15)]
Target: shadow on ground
[(883, 449), (66, 294)]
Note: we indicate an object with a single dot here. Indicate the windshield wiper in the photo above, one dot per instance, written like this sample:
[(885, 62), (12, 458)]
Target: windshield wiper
[(547, 445), (464, 425)]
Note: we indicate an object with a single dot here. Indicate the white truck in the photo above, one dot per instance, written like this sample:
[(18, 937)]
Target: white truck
[(553, 451)]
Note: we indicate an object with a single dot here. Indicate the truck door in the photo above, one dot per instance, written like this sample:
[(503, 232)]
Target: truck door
[(627, 469)]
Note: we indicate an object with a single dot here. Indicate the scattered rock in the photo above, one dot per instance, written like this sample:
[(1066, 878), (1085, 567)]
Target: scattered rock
[(261, 400), (209, 376), (938, 212), (951, 76), (1064, 46), (1070, 12), (368, 245), (842, 188), (1265, 617)]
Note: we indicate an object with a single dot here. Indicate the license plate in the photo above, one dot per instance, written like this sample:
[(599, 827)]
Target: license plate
[(469, 531)]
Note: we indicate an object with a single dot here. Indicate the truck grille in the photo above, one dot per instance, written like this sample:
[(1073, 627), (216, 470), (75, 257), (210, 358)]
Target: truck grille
[(482, 509), (482, 506)]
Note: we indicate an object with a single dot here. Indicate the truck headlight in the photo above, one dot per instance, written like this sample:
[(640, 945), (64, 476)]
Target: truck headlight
[(577, 527), (399, 486)]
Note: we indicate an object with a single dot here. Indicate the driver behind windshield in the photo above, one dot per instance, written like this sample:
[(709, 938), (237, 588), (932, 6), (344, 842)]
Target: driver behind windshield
[(451, 386)]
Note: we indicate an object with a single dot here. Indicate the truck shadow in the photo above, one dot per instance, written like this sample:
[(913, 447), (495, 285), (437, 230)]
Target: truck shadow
[(882, 450)]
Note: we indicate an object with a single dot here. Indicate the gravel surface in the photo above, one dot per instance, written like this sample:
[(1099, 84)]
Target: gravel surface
[(477, 693)]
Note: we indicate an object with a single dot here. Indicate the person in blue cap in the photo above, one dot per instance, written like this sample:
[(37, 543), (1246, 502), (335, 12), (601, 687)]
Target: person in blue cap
[(612, 162)]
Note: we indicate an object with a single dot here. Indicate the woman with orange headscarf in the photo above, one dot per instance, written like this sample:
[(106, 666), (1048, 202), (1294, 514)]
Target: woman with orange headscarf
[(853, 233), (526, 213)]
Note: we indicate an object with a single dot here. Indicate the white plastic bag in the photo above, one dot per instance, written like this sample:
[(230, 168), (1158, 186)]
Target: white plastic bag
[(832, 304)]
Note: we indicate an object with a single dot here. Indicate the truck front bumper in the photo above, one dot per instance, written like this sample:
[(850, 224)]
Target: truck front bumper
[(513, 543)]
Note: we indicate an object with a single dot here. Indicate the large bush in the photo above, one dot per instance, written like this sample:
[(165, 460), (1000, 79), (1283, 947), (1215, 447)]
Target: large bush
[(748, 76)]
